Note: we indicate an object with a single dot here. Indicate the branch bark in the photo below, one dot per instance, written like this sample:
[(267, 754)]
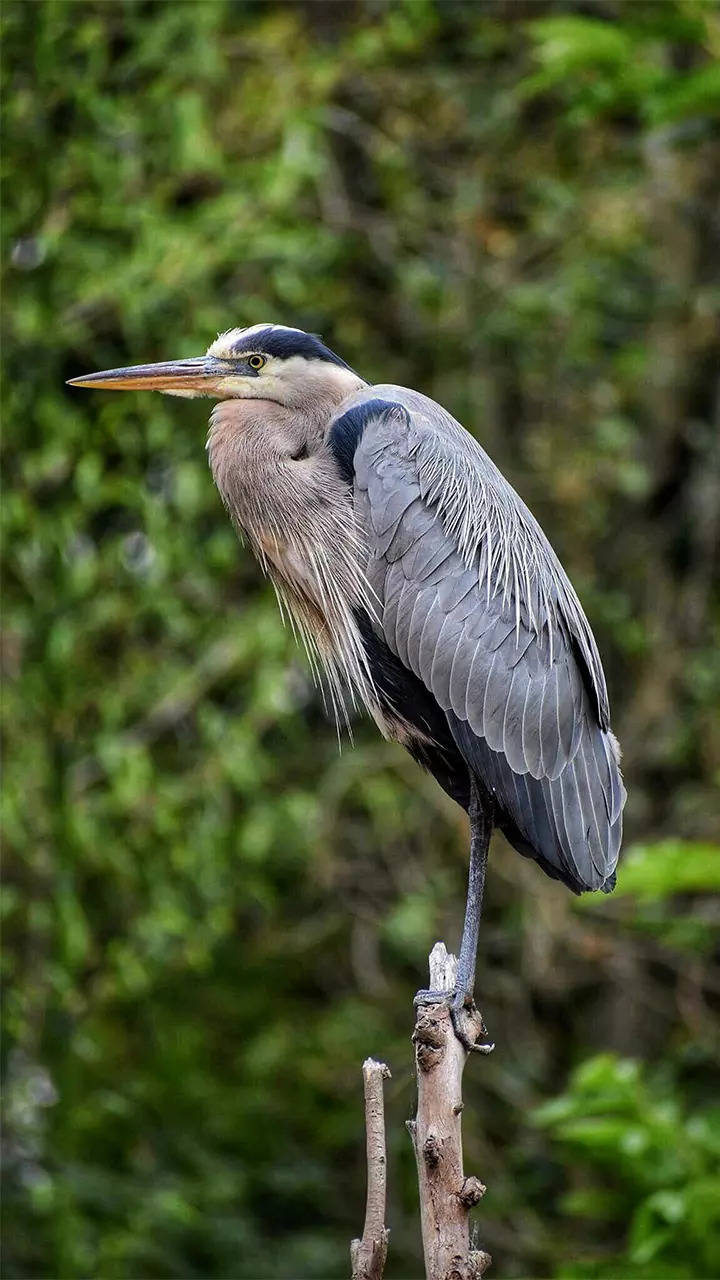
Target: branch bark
[(368, 1254), (446, 1195)]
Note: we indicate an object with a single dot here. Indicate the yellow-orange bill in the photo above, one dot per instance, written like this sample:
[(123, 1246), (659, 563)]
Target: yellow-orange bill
[(170, 375)]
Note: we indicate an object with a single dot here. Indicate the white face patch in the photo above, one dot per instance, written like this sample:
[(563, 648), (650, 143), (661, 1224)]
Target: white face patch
[(289, 380)]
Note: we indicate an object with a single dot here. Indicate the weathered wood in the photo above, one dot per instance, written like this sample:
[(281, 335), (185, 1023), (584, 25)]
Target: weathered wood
[(368, 1255), (446, 1194)]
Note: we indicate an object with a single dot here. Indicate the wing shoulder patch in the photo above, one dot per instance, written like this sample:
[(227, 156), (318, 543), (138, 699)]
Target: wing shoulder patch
[(348, 430)]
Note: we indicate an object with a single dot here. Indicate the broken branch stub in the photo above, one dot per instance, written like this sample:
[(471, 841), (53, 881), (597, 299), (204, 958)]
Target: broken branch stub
[(446, 1195), (368, 1254)]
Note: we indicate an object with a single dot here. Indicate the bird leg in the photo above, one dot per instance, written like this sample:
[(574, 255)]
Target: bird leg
[(461, 999)]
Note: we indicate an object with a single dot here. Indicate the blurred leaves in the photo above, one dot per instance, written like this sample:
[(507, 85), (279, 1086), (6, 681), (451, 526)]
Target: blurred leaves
[(210, 915), (668, 867), (600, 66), (647, 1164)]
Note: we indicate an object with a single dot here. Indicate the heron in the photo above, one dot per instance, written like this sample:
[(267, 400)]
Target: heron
[(425, 592)]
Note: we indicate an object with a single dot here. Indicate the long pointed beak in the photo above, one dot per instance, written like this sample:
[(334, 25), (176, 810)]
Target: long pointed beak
[(191, 377)]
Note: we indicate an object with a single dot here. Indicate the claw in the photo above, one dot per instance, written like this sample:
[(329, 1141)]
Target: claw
[(457, 1003), (432, 997), (471, 1046)]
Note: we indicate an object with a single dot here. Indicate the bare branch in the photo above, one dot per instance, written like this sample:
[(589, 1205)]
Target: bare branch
[(446, 1195), (368, 1255)]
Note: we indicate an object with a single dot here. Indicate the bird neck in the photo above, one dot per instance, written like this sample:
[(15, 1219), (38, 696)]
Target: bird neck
[(263, 433), (312, 396), (282, 486), (259, 451)]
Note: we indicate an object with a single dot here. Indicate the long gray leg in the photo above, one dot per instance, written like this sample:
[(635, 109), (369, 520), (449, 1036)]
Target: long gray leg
[(480, 829), (462, 997)]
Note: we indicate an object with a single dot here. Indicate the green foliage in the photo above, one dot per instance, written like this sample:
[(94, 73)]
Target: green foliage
[(649, 1169), (601, 67), (210, 916), (655, 871), (653, 874)]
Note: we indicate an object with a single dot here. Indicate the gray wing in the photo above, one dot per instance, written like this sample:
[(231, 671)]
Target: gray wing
[(474, 602)]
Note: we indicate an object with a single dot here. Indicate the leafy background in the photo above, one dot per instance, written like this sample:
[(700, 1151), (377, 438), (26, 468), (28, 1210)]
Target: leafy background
[(210, 915)]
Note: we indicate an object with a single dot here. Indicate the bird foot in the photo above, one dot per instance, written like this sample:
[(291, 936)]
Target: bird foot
[(463, 1013)]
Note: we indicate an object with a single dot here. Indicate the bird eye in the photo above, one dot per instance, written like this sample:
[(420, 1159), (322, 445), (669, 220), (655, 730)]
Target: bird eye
[(256, 362)]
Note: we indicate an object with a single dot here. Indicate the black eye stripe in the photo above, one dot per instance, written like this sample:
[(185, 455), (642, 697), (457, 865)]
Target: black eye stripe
[(285, 343)]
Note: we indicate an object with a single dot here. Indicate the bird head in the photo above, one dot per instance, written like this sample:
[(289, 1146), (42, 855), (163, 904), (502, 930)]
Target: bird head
[(265, 362)]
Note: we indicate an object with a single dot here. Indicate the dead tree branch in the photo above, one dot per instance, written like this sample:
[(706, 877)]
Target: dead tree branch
[(446, 1195), (368, 1254)]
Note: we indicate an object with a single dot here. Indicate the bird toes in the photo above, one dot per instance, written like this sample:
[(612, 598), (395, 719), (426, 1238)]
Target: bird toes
[(465, 1015), (424, 997), (466, 1018)]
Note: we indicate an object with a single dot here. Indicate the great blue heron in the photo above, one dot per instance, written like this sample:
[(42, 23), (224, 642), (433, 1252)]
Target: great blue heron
[(426, 589)]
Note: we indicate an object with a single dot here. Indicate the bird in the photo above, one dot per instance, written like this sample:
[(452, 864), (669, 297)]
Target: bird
[(425, 592)]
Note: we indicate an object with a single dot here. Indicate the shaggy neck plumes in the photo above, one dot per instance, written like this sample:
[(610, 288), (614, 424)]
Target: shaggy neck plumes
[(283, 489)]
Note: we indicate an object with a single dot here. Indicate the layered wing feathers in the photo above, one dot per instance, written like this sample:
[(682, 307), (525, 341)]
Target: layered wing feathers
[(474, 602)]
